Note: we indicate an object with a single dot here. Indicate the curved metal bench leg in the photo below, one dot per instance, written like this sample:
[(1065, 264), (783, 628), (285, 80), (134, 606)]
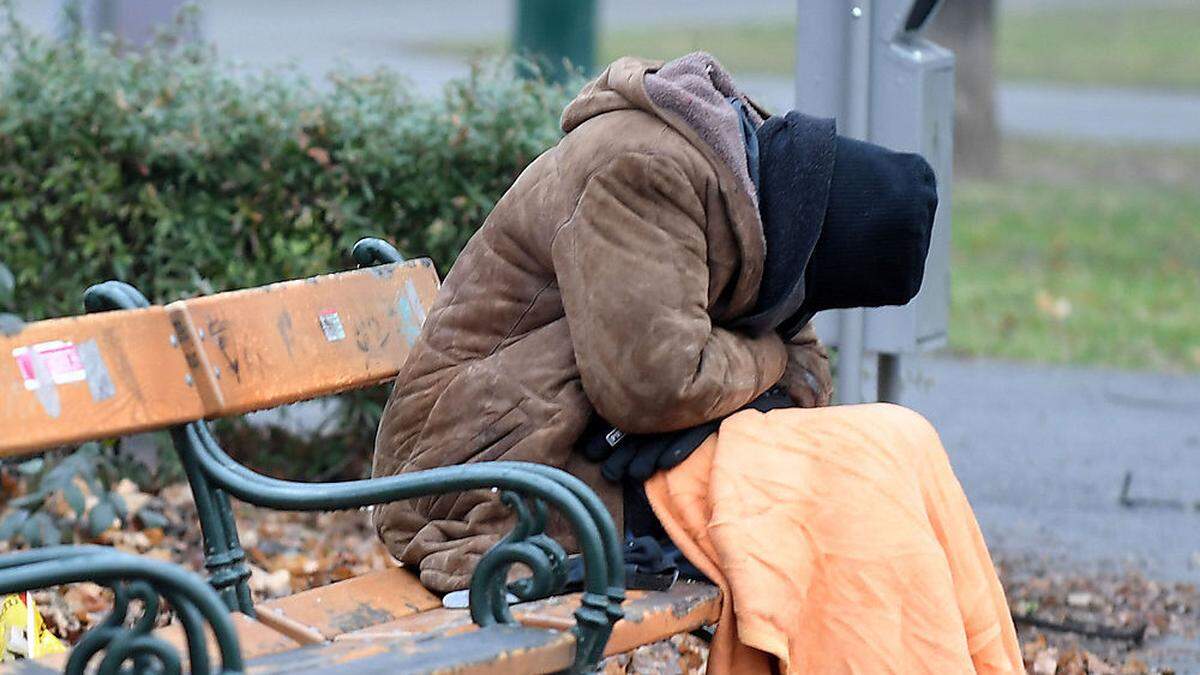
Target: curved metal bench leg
[(223, 555)]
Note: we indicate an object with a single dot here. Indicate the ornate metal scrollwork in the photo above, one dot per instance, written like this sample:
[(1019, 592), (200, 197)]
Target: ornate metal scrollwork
[(538, 486), (125, 644), (528, 545), (528, 488)]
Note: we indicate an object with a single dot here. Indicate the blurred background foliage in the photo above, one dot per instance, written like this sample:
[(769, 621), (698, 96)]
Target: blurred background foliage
[(169, 170), (176, 172)]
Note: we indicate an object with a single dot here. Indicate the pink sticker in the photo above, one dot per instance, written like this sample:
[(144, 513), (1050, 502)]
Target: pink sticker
[(61, 358)]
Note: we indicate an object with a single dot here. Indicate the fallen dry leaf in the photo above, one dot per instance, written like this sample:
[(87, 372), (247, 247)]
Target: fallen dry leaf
[(1046, 662), (134, 498), (1055, 307), (88, 597), (270, 584), (1080, 599), (1134, 666), (319, 155)]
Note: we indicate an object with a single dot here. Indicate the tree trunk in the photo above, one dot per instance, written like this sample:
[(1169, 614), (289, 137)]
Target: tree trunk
[(968, 28)]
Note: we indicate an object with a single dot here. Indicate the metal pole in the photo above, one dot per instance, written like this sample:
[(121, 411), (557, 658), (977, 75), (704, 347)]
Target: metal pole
[(856, 124), (864, 62), (833, 79), (890, 379), (557, 35)]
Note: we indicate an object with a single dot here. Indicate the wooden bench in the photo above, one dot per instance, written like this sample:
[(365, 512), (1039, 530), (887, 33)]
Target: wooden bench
[(131, 367)]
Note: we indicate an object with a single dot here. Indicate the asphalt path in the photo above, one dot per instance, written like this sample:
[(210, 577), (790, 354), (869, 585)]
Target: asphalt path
[(1043, 453)]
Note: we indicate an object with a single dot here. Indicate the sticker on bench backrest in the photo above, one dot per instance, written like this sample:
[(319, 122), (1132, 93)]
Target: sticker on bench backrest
[(89, 377), (100, 383), (61, 360), (263, 347), (412, 313), (331, 326), (44, 385)]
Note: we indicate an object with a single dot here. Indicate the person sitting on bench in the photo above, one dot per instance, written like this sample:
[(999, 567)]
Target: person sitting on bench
[(636, 310)]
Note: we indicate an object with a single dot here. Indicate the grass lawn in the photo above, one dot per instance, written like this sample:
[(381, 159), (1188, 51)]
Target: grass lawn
[(1067, 266), (1148, 47), (1119, 46)]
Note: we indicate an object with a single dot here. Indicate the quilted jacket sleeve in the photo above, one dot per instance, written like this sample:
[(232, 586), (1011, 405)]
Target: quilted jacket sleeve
[(631, 264)]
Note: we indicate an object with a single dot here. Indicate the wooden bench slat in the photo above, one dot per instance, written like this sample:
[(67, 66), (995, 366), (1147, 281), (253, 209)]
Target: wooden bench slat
[(650, 616), (353, 604), (255, 638), (263, 347), (51, 665), (68, 380), (64, 381), (507, 650), (439, 621), (435, 648)]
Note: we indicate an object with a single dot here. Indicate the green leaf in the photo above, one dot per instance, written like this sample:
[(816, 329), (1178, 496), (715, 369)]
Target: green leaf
[(101, 518), (12, 523), (32, 466), (119, 505), (8, 283), (33, 498), (150, 518), (10, 324), (51, 535), (75, 498), (31, 530)]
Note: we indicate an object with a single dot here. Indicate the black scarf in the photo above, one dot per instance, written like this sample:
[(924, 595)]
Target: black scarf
[(794, 168)]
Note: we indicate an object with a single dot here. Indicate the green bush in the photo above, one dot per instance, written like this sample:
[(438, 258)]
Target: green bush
[(74, 497), (9, 323), (181, 175)]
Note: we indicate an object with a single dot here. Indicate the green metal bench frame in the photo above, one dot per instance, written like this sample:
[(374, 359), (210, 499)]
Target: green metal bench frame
[(213, 476), (131, 578)]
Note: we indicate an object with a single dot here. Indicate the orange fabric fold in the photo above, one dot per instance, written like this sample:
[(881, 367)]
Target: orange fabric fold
[(842, 542)]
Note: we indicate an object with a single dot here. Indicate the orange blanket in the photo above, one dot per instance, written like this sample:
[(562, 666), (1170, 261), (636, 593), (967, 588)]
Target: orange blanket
[(843, 544)]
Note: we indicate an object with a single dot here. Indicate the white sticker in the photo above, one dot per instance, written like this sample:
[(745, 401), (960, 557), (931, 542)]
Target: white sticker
[(61, 358), (331, 325)]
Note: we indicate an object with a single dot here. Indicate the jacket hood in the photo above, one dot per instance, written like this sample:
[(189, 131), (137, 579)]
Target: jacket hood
[(691, 94)]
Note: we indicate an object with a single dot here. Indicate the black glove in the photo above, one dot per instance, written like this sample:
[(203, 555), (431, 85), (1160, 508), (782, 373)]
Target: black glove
[(647, 567), (638, 456)]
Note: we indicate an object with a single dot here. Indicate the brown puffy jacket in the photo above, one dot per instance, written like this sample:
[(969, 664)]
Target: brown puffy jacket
[(601, 279)]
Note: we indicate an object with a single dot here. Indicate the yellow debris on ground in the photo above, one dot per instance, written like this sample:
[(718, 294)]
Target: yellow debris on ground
[(19, 619)]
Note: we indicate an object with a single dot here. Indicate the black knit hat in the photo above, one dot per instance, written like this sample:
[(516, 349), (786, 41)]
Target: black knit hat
[(847, 223), (878, 223)]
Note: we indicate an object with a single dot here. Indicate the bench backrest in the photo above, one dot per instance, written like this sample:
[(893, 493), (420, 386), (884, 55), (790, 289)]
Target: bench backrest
[(103, 375)]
